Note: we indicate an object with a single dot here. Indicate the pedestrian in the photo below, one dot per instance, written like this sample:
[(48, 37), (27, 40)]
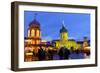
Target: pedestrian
[(50, 54), (60, 53), (41, 54), (66, 53)]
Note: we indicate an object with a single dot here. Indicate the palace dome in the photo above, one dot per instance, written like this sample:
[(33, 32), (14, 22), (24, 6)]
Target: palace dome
[(34, 23), (63, 29)]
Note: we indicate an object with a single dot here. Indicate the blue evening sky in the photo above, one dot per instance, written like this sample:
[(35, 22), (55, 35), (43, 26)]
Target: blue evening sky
[(77, 24)]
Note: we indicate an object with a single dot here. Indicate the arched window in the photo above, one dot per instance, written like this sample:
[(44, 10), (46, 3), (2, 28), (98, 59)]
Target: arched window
[(32, 32), (38, 33), (28, 33), (37, 42), (33, 42)]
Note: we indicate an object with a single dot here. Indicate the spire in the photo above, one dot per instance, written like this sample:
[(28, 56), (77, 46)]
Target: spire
[(63, 29), (63, 22)]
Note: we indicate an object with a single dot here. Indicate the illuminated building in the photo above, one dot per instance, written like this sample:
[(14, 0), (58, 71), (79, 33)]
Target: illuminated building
[(33, 41), (64, 41), (34, 34), (85, 44)]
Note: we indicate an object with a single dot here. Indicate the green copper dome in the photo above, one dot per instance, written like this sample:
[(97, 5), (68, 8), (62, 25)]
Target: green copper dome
[(63, 29)]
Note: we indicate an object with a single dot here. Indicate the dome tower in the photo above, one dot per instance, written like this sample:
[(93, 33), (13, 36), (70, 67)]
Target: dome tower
[(63, 33), (34, 31)]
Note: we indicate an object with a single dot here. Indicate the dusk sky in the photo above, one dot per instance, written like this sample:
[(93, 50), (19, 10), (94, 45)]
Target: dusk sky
[(77, 24)]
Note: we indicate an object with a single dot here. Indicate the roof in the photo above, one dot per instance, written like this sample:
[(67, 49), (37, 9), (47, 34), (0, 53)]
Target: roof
[(34, 23), (56, 40), (71, 40), (63, 29)]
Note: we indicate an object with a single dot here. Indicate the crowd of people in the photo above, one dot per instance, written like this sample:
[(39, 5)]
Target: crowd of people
[(58, 54)]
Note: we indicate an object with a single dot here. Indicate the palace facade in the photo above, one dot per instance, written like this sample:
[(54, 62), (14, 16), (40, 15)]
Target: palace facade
[(65, 41)]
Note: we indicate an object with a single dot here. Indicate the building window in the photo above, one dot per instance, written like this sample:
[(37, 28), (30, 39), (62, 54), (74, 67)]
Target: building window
[(33, 42), (38, 33), (28, 33), (38, 41), (32, 32)]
